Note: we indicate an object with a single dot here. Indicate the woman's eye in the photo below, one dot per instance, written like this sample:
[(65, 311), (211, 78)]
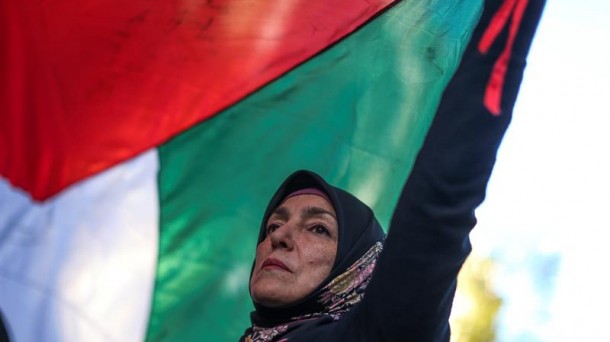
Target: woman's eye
[(272, 227), (320, 229)]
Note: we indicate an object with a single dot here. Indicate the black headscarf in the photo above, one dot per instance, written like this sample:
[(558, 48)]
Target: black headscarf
[(359, 244)]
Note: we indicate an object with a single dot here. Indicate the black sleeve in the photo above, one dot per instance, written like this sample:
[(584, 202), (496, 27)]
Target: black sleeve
[(410, 295), (3, 330)]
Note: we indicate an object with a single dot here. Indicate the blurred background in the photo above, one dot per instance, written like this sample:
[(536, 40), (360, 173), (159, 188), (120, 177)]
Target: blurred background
[(539, 268)]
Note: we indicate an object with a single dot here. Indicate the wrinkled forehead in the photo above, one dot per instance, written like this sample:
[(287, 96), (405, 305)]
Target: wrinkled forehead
[(308, 191), (304, 206)]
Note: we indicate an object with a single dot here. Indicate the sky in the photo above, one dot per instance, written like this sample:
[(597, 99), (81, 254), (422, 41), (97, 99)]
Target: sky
[(545, 219)]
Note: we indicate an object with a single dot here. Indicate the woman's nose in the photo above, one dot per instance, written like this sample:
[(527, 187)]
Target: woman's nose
[(283, 237)]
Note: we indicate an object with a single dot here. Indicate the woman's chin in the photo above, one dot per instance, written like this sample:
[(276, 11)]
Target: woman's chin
[(270, 300)]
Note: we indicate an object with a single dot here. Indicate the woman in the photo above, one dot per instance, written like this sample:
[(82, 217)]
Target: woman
[(316, 251)]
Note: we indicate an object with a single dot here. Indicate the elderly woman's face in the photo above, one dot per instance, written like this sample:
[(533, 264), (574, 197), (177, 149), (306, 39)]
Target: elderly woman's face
[(297, 253)]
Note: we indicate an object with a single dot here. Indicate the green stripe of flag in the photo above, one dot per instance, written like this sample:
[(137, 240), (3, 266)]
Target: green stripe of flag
[(356, 113)]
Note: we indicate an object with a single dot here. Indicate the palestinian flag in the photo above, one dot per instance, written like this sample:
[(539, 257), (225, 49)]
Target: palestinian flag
[(140, 142)]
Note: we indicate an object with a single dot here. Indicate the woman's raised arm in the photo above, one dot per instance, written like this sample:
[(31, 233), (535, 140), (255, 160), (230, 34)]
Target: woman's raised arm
[(412, 288)]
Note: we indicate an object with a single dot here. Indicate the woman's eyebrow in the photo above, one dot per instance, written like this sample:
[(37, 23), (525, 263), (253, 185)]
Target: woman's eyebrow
[(308, 212), (281, 213)]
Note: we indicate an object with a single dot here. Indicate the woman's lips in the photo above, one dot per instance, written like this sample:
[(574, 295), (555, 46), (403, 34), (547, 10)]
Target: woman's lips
[(275, 263)]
